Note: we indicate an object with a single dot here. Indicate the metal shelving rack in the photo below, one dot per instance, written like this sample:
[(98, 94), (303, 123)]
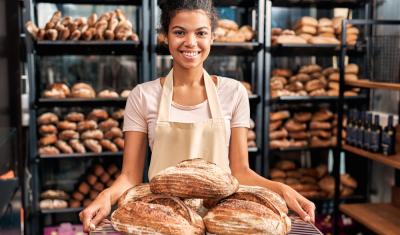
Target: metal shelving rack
[(253, 49), (35, 50), (272, 51), (369, 213)]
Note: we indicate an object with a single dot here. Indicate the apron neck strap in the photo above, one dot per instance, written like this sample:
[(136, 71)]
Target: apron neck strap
[(167, 91)]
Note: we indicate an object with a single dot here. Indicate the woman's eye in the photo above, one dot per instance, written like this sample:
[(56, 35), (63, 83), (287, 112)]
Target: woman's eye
[(202, 34), (179, 33)]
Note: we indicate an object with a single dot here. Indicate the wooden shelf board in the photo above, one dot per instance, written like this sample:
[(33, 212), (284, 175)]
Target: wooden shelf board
[(377, 85), (393, 161), (381, 218)]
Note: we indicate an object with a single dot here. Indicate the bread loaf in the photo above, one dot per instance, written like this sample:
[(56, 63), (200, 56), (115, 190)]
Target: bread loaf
[(194, 178), (244, 217), (134, 193), (157, 214)]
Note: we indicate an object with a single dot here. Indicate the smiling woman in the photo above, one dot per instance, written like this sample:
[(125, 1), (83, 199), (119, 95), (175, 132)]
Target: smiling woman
[(188, 114)]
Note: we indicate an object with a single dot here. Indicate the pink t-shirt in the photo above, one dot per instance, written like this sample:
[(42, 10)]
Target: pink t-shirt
[(141, 109)]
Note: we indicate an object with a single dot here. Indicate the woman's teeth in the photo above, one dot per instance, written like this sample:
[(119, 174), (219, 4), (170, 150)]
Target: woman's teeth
[(190, 54)]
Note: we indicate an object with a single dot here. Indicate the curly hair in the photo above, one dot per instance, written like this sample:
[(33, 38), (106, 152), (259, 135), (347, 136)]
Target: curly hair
[(170, 8)]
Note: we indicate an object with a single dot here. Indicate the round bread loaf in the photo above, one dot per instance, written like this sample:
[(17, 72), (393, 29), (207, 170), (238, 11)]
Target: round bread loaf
[(195, 178), (244, 217), (134, 193), (157, 214)]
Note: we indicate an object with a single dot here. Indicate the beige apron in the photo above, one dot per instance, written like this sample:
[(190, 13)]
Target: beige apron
[(175, 142)]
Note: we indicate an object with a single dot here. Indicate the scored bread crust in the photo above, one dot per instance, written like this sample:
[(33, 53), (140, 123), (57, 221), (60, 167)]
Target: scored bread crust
[(194, 178), (157, 214), (243, 217), (134, 193)]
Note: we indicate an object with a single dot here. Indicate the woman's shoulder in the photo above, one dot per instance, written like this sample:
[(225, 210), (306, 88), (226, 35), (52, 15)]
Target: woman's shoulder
[(229, 84)]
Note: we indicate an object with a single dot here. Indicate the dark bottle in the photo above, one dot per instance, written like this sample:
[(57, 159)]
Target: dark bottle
[(389, 138), (355, 128), (367, 132), (360, 132), (376, 135), (350, 128)]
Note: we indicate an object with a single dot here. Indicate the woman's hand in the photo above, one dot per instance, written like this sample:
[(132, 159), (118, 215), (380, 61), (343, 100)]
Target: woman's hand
[(299, 204), (93, 214)]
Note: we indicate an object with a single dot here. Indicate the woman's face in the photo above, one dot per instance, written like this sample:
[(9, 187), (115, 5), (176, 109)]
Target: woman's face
[(190, 38)]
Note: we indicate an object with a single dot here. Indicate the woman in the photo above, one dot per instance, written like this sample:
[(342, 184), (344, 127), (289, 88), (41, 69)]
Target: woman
[(186, 115)]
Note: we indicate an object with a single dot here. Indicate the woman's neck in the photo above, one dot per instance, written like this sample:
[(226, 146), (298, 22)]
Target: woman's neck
[(188, 77)]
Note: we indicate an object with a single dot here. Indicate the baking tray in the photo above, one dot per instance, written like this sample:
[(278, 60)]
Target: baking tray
[(299, 227)]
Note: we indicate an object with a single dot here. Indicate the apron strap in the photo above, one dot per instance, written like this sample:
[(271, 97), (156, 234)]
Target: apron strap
[(167, 91)]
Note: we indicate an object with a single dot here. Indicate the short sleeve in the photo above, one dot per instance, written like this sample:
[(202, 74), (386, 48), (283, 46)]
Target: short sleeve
[(241, 110), (134, 115)]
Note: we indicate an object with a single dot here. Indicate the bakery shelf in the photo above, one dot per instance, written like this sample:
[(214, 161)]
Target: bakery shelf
[(314, 99), (61, 211), (393, 161), (311, 50), (99, 2), (373, 85), (88, 48), (318, 3), (301, 149), (82, 155), (68, 102), (221, 48), (381, 218)]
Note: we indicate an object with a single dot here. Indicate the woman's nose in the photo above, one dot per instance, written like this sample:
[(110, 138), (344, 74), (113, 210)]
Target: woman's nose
[(191, 40)]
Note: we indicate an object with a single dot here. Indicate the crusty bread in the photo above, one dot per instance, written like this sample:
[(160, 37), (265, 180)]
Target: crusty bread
[(244, 217), (157, 214), (194, 178)]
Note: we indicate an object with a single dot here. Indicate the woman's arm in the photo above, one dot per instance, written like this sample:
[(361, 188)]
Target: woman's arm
[(131, 175), (239, 164)]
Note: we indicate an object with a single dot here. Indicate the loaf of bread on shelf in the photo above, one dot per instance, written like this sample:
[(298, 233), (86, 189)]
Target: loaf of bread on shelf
[(108, 124), (279, 115), (275, 125), (302, 116), (279, 144), (107, 94), (114, 132), (306, 20), (77, 146), (48, 129), (289, 39), (66, 125), (300, 135), (278, 134), (47, 118), (98, 114), (285, 165), (87, 125), (74, 117), (108, 145), (306, 29), (48, 140), (322, 115), (54, 194), (64, 147), (292, 126), (323, 40), (348, 181), (119, 142), (157, 214), (48, 150), (93, 145), (82, 90), (202, 180), (118, 114)]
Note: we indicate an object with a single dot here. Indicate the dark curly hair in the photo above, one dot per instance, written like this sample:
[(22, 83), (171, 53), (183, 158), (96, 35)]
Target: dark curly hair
[(169, 8)]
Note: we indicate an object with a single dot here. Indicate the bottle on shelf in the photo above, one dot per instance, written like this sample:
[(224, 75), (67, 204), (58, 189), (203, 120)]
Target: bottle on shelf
[(389, 138), (360, 131), (367, 132), (376, 136), (350, 127)]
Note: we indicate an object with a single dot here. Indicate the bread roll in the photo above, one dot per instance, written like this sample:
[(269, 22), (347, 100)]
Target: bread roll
[(316, 125), (285, 165), (306, 36), (64, 147), (47, 118), (118, 114), (48, 140), (201, 180), (228, 24), (157, 214), (309, 69), (306, 20), (108, 94), (352, 69), (302, 116), (301, 135), (74, 117), (325, 22), (108, 124), (92, 134), (279, 144), (227, 218), (275, 125), (289, 39), (315, 84), (87, 125), (306, 29), (282, 73), (279, 134), (322, 115), (280, 115), (93, 145), (348, 181), (98, 114), (77, 146), (108, 145), (293, 126), (114, 132), (48, 129), (323, 40), (318, 142), (66, 125), (48, 150)]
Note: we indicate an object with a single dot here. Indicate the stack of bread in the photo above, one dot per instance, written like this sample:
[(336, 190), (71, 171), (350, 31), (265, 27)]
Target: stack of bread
[(60, 90), (312, 183), (229, 31), (113, 25), (301, 129), (53, 199), (351, 74), (96, 132), (311, 80), (312, 31), (94, 182), (251, 135), (178, 196)]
